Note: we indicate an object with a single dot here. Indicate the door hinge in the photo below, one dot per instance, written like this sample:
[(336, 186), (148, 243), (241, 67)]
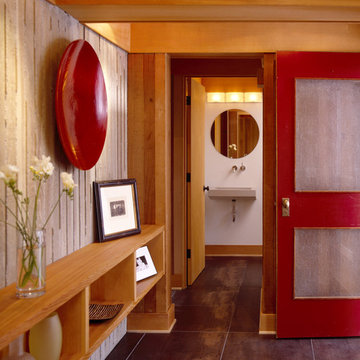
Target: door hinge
[(188, 254), (188, 100), (188, 177)]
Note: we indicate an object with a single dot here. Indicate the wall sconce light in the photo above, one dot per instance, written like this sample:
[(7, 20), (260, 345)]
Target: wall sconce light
[(215, 97), (253, 97), (234, 97), (228, 97)]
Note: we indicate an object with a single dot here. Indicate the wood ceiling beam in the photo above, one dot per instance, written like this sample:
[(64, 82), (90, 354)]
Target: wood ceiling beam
[(189, 11), (244, 37), (227, 38)]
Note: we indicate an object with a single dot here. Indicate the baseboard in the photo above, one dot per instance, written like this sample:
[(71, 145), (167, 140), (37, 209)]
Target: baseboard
[(146, 331), (177, 282), (233, 250), (152, 322), (267, 323)]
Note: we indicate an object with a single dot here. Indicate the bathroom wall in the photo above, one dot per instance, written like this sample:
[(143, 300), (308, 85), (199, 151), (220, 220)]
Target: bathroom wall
[(219, 226), (34, 36)]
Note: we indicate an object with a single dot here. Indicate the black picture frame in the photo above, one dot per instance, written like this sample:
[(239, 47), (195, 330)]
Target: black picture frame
[(117, 209)]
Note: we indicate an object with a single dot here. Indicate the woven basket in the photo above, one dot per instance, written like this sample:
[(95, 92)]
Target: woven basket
[(103, 311)]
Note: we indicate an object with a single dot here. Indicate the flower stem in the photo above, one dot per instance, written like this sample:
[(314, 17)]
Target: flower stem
[(8, 208), (35, 208), (52, 210)]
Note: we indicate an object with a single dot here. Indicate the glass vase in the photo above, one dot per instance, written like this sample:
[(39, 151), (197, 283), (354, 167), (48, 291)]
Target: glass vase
[(31, 265)]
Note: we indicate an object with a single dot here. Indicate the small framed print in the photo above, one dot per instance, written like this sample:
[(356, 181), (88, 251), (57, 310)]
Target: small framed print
[(144, 264), (117, 209)]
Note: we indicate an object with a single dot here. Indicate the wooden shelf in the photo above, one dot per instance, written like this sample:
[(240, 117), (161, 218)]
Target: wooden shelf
[(100, 330), (100, 272), (144, 286)]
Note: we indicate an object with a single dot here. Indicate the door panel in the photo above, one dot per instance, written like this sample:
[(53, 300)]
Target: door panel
[(333, 136), (319, 171), (326, 263), (196, 224)]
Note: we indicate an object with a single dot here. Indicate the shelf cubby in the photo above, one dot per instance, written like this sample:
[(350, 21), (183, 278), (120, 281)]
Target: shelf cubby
[(98, 273)]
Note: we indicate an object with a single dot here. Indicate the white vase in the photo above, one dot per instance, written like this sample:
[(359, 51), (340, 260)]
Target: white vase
[(45, 338)]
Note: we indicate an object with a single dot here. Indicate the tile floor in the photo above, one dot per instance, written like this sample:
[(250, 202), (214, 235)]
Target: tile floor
[(217, 319)]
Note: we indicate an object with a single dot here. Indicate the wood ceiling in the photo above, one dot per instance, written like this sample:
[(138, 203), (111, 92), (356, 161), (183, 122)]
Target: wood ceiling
[(211, 10), (221, 26)]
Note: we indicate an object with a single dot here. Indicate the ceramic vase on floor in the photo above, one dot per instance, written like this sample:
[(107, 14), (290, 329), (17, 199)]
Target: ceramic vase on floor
[(45, 338)]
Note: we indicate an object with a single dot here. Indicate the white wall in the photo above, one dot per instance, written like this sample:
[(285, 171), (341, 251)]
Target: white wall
[(219, 226)]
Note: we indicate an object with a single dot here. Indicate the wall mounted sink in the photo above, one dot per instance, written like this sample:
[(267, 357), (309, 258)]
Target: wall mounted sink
[(232, 193)]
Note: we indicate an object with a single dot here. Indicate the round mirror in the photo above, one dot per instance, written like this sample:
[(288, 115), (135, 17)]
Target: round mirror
[(234, 133)]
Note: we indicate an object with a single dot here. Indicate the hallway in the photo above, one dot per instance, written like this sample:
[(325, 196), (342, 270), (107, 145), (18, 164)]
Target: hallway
[(217, 319)]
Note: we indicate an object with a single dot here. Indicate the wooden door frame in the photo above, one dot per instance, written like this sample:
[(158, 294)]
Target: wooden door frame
[(229, 67)]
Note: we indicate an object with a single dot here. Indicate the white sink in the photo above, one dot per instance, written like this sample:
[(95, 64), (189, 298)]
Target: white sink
[(231, 192)]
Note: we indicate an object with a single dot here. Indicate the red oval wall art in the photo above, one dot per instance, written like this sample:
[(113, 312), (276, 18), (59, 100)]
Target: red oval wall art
[(81, 105)]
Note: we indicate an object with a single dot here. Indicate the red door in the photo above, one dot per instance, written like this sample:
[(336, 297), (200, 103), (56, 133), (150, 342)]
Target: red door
[(318, 138)]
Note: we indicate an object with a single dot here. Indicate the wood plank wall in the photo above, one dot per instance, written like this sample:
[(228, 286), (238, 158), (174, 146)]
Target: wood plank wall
[(269, 188), (149, 150), (34, 35)]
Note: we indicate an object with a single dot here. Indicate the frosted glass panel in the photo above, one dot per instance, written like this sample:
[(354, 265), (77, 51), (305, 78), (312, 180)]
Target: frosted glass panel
[(327, 135), (327, 263)]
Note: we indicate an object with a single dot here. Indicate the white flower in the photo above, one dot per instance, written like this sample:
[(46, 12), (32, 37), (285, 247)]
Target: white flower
[(68, 183), (43, 168), (9, 173)]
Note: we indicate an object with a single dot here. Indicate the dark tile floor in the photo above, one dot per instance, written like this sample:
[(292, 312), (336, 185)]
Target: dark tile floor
[(218, 319)]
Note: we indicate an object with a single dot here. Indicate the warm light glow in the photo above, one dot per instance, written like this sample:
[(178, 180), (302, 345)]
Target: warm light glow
[(253, 97), (234, 97), (216, 97)]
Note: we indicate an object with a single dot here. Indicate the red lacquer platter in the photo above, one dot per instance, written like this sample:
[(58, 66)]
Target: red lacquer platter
[(81, 105)]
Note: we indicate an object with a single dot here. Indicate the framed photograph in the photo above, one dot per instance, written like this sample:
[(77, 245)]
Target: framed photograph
[(144, 264), (117, 209)]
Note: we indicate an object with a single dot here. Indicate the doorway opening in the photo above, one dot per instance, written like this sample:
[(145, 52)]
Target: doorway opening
[(224, 154), (261, 67)]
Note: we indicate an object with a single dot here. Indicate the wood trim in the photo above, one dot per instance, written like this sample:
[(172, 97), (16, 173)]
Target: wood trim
[(233, 250), (231, 84), (235, 67), (269, 187), (267, 322)]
